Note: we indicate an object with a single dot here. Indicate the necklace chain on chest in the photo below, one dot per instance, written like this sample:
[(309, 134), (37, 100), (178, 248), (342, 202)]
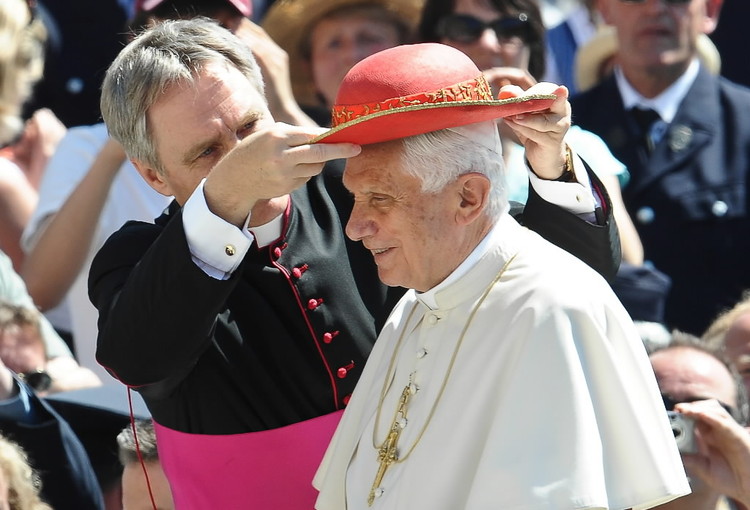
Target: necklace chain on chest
[(388, 451)]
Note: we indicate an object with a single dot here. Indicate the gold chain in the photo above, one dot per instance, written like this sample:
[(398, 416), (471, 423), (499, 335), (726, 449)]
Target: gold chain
[(391, 367)]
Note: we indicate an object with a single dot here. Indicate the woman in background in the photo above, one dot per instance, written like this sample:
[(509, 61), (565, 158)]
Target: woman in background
[(24, 147)]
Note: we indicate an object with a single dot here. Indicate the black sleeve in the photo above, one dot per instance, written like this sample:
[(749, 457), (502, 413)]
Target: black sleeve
[(69, 481), (598, 245), (157, 309)]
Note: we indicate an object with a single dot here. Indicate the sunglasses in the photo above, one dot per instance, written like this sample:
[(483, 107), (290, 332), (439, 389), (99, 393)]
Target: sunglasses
[(669, 404), (468, 29), (670, 2)]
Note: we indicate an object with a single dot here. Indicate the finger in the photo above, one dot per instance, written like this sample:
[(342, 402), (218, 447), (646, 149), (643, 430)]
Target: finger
[(508, 91), (290, 135), (308, 170), (538, 125), (321, 152)]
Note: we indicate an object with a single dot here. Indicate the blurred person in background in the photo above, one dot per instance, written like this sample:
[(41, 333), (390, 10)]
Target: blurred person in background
[(24, 146)]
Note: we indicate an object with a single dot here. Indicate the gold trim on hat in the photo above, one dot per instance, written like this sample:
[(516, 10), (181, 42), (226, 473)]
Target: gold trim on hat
[(477, 89), (429, 106)]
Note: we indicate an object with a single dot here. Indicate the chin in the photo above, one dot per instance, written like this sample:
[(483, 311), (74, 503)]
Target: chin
[(391, 280)]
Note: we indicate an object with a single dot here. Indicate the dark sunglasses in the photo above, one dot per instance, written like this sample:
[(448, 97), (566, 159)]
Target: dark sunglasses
[(669, 404), (670, 2), (468, 29)]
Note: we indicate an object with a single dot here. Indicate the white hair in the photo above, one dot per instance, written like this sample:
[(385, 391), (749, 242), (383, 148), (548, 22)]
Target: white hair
[(440, 157)]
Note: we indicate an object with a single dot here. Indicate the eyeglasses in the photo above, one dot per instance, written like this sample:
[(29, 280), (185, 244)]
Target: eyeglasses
[(468, 29), (669, 404), (670, 2)]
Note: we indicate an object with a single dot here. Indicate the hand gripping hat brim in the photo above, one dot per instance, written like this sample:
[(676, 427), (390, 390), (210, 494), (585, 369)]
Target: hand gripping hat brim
[(414, 89)]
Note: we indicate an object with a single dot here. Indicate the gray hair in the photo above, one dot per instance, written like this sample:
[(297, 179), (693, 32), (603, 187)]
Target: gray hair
[(686, 340), (143, 442), (440, 157), (171, 52)]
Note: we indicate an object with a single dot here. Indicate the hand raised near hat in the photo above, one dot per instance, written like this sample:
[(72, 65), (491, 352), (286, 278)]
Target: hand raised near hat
[(542, 133), (266, 166)]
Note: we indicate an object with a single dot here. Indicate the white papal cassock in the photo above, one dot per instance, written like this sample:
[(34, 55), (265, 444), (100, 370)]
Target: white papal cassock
[(551, 402)]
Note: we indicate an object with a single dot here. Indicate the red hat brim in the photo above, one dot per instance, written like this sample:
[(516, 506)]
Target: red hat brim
[(395, 123)]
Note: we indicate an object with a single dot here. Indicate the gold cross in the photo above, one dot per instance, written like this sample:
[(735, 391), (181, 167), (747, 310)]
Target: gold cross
[(387, 453)]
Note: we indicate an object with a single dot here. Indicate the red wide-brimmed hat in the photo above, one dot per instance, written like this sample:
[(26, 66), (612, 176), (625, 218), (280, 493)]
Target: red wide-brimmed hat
[(414, 89)]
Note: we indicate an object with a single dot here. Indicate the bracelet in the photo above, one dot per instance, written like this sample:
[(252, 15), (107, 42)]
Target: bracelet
[(568, 175)]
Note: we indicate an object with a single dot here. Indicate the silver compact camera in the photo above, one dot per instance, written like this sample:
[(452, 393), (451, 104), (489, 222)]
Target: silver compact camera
[(683, 428)]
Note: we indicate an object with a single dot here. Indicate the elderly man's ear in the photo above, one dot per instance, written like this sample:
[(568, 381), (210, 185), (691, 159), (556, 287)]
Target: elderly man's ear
[(474, 192)]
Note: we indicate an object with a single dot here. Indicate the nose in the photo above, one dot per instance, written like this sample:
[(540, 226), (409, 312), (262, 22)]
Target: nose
[(359, 226)]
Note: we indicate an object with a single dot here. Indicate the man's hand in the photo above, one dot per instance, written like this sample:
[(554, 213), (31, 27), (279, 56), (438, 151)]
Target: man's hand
[(723, 459), (42, 133), (268, 164), (542, 133)]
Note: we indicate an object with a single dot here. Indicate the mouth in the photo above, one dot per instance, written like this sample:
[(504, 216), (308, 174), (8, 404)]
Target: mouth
[(379, 252), (656, 31)]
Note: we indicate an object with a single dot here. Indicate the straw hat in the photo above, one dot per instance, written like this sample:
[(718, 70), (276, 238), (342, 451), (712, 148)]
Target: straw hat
[(414, 89), (289, 23), (593, 58)]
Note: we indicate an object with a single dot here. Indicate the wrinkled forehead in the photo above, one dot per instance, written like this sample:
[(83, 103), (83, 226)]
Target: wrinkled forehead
[(378, 165), (688, 373)]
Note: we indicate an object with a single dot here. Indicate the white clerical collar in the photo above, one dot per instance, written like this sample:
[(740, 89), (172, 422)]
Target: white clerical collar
[(666, 103), (428, 297)]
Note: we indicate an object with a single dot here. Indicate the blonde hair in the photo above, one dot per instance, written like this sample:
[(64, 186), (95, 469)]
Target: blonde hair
[(716, 332), (22, 41), (23, 483)]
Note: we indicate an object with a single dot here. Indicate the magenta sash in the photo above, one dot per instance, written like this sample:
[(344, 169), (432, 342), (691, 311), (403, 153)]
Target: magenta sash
[(271, 469)]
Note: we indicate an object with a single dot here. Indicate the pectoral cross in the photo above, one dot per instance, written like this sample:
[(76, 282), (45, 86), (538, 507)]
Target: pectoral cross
[(388, 453)]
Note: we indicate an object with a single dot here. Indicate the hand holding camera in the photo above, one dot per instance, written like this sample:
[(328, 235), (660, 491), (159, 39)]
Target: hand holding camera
[(723, 449), (683, 428)]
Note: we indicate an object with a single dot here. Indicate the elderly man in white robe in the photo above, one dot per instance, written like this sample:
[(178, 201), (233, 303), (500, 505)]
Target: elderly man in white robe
[(510, 376)]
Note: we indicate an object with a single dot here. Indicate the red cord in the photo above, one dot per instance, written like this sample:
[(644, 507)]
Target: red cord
[(138, 451)]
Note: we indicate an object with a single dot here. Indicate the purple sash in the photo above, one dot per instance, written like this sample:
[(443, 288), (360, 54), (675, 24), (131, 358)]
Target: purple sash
[(269, 469)]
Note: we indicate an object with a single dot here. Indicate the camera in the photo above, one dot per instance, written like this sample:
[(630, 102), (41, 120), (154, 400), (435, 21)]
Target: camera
[(683, 428)]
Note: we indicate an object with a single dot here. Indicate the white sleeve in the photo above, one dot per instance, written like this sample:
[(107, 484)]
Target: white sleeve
[(66, 168), (577, 197), (217, 247)]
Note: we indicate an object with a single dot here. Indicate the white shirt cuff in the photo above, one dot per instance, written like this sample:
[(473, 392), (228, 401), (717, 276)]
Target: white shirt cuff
[(576, 197), (217, 247)]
